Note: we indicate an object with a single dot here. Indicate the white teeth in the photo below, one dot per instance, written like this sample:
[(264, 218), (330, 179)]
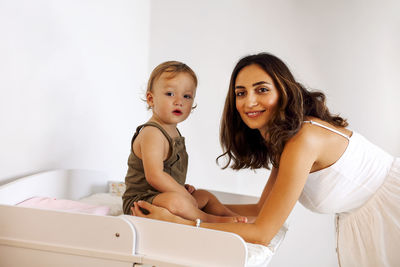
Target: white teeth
[(253, 113)]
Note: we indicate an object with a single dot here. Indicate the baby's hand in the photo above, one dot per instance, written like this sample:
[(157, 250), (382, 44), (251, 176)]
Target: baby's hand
[(190, 188)]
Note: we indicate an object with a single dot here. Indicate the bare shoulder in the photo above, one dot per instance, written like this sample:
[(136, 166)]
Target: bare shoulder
[(325, 144), (149, 140), (305, 147), (152, 134), (343, 130), (306, 137)]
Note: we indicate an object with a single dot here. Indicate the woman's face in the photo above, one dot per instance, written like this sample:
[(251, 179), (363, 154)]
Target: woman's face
[(256, 97)]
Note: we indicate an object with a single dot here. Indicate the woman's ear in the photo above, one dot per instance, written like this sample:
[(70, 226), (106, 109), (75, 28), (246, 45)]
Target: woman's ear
[(149, 99)]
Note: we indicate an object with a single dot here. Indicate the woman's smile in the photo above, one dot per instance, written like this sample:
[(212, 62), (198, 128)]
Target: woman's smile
[(256, 97), (254, 114)]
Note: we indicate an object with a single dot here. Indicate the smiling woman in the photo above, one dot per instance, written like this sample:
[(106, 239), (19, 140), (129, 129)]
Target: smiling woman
[(271, 119), (256, 97)]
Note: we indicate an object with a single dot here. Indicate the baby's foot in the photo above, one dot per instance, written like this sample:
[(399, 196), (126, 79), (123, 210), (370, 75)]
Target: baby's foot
[(241, 219)]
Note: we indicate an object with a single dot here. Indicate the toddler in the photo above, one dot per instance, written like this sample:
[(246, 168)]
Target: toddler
[(158, 160)]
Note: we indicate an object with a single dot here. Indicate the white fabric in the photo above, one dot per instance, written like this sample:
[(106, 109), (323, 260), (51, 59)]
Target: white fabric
[(350, 181), (50, 203), (363, 189), (114, 202), (370, 236), (259, 255)]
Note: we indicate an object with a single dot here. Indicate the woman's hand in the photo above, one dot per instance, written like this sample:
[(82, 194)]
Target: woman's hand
[(155, 212)]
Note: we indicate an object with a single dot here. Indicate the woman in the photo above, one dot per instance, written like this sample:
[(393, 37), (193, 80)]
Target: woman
[(271, 119)]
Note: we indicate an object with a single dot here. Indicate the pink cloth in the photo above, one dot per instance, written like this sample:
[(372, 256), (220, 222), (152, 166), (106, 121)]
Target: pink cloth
[(63, 204)]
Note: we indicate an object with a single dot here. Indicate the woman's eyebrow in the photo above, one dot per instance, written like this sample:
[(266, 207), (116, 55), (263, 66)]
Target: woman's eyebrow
[(261, 82), (254, 84)]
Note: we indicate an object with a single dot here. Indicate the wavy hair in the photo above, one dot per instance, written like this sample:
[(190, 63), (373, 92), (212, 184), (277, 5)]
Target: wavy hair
[(247, 148)]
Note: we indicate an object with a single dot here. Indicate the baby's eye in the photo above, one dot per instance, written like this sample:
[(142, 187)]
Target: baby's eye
[(169, 94), (187, 96)]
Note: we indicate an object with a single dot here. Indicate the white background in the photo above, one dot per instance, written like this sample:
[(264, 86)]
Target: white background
[(72, 75)]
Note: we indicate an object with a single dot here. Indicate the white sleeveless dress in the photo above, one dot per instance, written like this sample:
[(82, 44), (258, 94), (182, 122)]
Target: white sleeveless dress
[(363, 189)]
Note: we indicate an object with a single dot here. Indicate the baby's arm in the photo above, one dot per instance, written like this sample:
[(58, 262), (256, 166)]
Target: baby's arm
[(190, 188), (154, 149)]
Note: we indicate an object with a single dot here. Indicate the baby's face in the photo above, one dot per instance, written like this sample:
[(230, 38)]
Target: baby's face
[(172, 97)]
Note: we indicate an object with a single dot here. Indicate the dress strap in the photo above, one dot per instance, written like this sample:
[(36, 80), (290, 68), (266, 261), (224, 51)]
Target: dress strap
[(328, 128)]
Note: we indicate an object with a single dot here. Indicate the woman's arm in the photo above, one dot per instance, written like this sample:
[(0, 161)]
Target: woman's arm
[(277, 201), (297, 159), (254, 209)]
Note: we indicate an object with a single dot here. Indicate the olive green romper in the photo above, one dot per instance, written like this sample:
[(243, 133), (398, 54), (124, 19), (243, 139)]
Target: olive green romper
[(137, 187)]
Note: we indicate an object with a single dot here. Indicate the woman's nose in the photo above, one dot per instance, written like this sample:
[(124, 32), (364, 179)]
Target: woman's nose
[(251, 100)]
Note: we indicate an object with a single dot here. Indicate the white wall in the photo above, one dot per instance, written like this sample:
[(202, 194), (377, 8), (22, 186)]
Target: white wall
[(348, 49), (72, 74), (70, 79)]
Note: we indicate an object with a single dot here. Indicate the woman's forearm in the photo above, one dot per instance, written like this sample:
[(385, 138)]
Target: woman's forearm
[(244, 209), (251, 232)]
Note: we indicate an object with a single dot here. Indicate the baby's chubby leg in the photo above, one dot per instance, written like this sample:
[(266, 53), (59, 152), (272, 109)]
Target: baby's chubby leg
[(182, 206), (210, 204), (177, 204)]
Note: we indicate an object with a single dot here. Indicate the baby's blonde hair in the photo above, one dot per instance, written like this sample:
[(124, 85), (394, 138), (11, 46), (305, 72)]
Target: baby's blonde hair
[(173, 67)]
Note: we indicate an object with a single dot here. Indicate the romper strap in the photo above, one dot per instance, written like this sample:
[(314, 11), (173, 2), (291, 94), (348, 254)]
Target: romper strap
[(328, 128), (154, 124)]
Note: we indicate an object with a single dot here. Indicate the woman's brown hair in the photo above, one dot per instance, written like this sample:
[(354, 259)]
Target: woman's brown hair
[(245, 147)]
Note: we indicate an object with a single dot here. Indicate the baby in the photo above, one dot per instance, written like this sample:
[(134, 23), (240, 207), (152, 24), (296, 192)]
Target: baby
[(158, 160)]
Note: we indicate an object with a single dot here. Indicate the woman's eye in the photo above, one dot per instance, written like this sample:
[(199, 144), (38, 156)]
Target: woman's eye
[(239, 93), (263, 90)]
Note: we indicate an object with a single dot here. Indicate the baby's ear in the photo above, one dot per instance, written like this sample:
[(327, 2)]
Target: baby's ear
[(149, 99)]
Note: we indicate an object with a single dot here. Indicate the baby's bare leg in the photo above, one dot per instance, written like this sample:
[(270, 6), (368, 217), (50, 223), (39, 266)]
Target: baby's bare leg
[(210, 204), (183, 207)]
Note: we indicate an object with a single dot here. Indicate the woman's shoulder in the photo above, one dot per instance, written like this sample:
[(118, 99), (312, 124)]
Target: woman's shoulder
[(320, 126), (305, 139), (308, 136), (308, 131)]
